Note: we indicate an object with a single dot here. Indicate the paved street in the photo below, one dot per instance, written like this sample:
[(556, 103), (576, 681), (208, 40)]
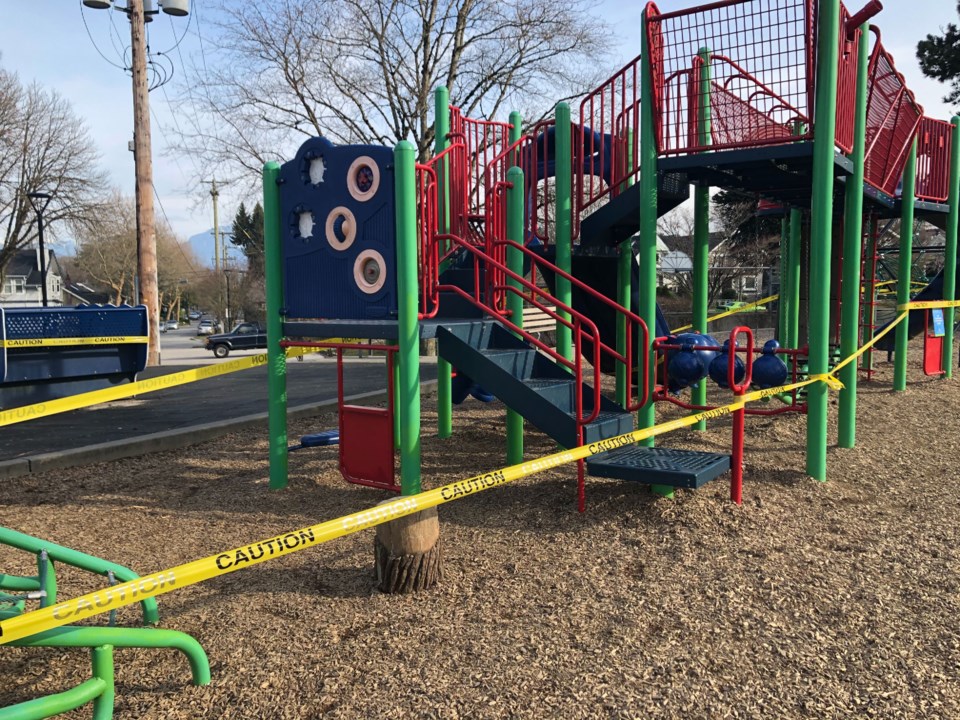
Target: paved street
[(221, 398)]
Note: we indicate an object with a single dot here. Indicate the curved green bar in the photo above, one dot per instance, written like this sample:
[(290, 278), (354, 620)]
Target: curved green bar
[(121, 637), (77, 559), (56, 704), (18, 583)]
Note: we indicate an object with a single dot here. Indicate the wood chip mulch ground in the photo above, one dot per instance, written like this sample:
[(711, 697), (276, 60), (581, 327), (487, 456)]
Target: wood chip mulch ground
[(835, 600)]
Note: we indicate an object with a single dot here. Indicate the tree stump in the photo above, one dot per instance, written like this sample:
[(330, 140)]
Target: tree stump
[(407, 553)]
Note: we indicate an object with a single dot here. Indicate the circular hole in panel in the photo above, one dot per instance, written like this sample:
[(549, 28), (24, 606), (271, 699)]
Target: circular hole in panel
[(363, 178), (317, 168), (341, 228), (370, 271), (305, 224)]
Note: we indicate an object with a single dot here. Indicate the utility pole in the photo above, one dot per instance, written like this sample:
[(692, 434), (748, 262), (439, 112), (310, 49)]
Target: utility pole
[(137, 14), (143, 160)]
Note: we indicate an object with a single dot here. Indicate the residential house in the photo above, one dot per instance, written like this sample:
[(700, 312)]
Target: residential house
[(22, 284)]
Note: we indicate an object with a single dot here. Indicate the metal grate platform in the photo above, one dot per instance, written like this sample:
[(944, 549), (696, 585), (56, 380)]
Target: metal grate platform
[(660, 466)]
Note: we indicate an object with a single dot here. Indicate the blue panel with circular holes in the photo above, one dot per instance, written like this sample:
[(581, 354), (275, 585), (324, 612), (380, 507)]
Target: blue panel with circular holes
[(339, 232)]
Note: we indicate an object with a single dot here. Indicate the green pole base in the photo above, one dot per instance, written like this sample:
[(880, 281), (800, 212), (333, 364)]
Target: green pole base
[(664, 491)]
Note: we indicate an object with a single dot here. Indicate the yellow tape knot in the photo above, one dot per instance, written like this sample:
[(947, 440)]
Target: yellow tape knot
[(832, 382)]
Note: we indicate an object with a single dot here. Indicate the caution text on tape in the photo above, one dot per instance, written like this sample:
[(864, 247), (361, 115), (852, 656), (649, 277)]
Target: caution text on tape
[(68, 341)]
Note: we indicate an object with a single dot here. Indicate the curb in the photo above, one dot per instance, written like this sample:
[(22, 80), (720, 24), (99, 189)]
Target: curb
[(166, 440)]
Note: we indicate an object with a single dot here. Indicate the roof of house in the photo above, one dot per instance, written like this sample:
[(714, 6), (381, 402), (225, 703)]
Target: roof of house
[(87, 294), (25, 264)]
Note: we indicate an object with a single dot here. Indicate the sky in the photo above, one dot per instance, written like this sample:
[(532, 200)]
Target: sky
[(59, 54)]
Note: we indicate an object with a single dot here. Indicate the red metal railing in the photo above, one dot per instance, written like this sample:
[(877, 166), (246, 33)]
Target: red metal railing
[(892, 119), (483, 140), (605, 145), (762, 70), (491, 286), (933, 159)]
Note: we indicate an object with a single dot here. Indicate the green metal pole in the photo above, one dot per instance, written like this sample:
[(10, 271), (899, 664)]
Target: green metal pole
[(647, 246), (821, 221), (276, 357), (516, 130), (793, 276), (564, 222), (102, 660), (852, 250), (784, 255), (950, 256), (905, 269), (869, 309), (624, 291), (515, 211), (701, 228), (396, 415), (441, 124), (48, 572), (408, 391), (647, 255)]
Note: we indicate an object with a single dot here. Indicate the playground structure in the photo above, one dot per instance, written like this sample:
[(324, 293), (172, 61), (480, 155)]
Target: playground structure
[(49, 353), (459, 247), (796, 102)]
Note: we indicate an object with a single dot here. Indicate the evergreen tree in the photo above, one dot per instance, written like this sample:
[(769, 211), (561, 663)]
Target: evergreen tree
[(248, 236), (939, 57)]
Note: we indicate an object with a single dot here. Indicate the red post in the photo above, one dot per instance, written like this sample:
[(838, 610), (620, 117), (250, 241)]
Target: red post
[(736, 459)]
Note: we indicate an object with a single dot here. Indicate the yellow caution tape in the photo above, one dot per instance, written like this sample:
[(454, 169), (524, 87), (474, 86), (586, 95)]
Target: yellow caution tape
[(846, 361), (162, 382), (928, 305), (64, 342), (727, 313), (134, 591)]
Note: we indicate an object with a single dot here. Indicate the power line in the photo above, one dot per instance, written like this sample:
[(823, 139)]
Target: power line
[(167, 219), (94, 42)]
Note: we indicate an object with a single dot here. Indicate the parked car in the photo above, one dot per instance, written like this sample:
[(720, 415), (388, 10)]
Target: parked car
[(173, 325), (245, 336), (205, 327), (194, 315)]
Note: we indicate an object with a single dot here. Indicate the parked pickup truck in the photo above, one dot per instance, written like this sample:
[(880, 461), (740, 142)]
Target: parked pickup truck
[(245, 336)]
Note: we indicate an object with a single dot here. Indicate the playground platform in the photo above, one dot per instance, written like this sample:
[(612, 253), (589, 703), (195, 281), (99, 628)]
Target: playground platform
[(180, 416)]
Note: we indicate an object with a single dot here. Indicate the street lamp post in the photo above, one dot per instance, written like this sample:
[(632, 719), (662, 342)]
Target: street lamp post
[(39, 201), (139, 12)]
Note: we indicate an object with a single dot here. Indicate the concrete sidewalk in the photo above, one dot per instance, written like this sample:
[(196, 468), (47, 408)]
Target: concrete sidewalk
[(183, 415)]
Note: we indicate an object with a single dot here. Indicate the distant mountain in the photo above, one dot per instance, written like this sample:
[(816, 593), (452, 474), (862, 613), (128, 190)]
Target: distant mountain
[(202, 245)]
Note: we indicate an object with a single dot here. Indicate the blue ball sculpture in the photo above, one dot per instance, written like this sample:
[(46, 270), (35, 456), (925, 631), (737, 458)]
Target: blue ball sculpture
[(768, 369), (688, 366), (718, 367)]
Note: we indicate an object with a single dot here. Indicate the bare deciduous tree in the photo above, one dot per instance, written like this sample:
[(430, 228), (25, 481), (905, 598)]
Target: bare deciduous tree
[(107, 254), (44, 147), (364, 71)]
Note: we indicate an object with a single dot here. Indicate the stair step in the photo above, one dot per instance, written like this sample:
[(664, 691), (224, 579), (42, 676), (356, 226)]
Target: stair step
[(659, 466)]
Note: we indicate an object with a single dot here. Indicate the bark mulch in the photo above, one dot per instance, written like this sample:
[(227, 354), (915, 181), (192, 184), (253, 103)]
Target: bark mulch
[(812, 600)]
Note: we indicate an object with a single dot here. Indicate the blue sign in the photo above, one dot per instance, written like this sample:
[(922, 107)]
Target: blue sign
[(939, 330)]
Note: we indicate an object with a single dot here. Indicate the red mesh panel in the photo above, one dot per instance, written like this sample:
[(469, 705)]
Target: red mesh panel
[(933, 159), (892, 119), (761, 67)]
